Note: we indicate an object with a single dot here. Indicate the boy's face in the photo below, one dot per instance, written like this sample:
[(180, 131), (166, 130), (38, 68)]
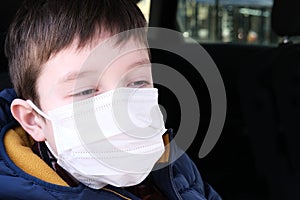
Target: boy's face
[(73, 75)]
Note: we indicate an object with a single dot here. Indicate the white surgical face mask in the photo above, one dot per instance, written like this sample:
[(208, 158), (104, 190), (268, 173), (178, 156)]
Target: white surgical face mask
[(114, 138)]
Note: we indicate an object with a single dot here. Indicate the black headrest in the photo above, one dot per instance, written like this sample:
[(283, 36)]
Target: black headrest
[(7, 12), (285, 17)]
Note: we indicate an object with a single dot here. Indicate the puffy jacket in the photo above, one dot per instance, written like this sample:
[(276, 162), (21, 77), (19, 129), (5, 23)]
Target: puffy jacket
[(177, 180)]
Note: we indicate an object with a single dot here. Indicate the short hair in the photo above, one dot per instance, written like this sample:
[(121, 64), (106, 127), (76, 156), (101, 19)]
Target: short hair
[(42, 28)]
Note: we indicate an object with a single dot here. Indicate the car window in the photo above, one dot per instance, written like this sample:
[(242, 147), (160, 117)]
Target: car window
[(243, 21)]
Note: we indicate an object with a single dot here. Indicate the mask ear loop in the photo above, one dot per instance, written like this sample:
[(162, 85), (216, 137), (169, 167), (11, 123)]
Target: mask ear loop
[(34, 107), (51, 150)]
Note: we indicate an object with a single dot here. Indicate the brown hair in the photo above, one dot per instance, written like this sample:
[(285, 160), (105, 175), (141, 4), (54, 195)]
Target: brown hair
[(42, 28)]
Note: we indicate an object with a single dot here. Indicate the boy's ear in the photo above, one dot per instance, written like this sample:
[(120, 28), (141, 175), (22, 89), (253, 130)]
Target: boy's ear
[(29, 120)]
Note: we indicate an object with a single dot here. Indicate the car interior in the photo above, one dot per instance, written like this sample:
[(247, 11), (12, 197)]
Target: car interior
[(255, 47)]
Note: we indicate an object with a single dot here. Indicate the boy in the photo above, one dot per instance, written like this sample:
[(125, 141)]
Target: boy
[(74, 66)]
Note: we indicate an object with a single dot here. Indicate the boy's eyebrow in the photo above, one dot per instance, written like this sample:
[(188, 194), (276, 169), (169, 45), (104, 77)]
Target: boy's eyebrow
[(139, 62), (75, 74)]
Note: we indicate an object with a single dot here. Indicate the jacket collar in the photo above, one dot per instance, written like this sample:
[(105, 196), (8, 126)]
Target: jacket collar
[(18, 148)]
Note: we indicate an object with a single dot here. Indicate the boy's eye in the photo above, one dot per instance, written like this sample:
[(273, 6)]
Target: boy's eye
[(85, 92), (138, 84)]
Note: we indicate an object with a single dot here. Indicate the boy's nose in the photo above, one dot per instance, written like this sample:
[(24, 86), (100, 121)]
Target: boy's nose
[(110, 84)]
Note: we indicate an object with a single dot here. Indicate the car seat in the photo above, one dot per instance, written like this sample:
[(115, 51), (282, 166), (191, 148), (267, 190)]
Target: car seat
[(270, 95)]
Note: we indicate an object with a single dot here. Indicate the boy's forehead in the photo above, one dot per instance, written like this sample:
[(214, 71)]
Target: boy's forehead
[(95, 66), (104, 49), (107, 54), (72, 61)]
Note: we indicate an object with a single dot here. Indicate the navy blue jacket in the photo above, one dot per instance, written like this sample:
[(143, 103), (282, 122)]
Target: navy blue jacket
[(178, 180)]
